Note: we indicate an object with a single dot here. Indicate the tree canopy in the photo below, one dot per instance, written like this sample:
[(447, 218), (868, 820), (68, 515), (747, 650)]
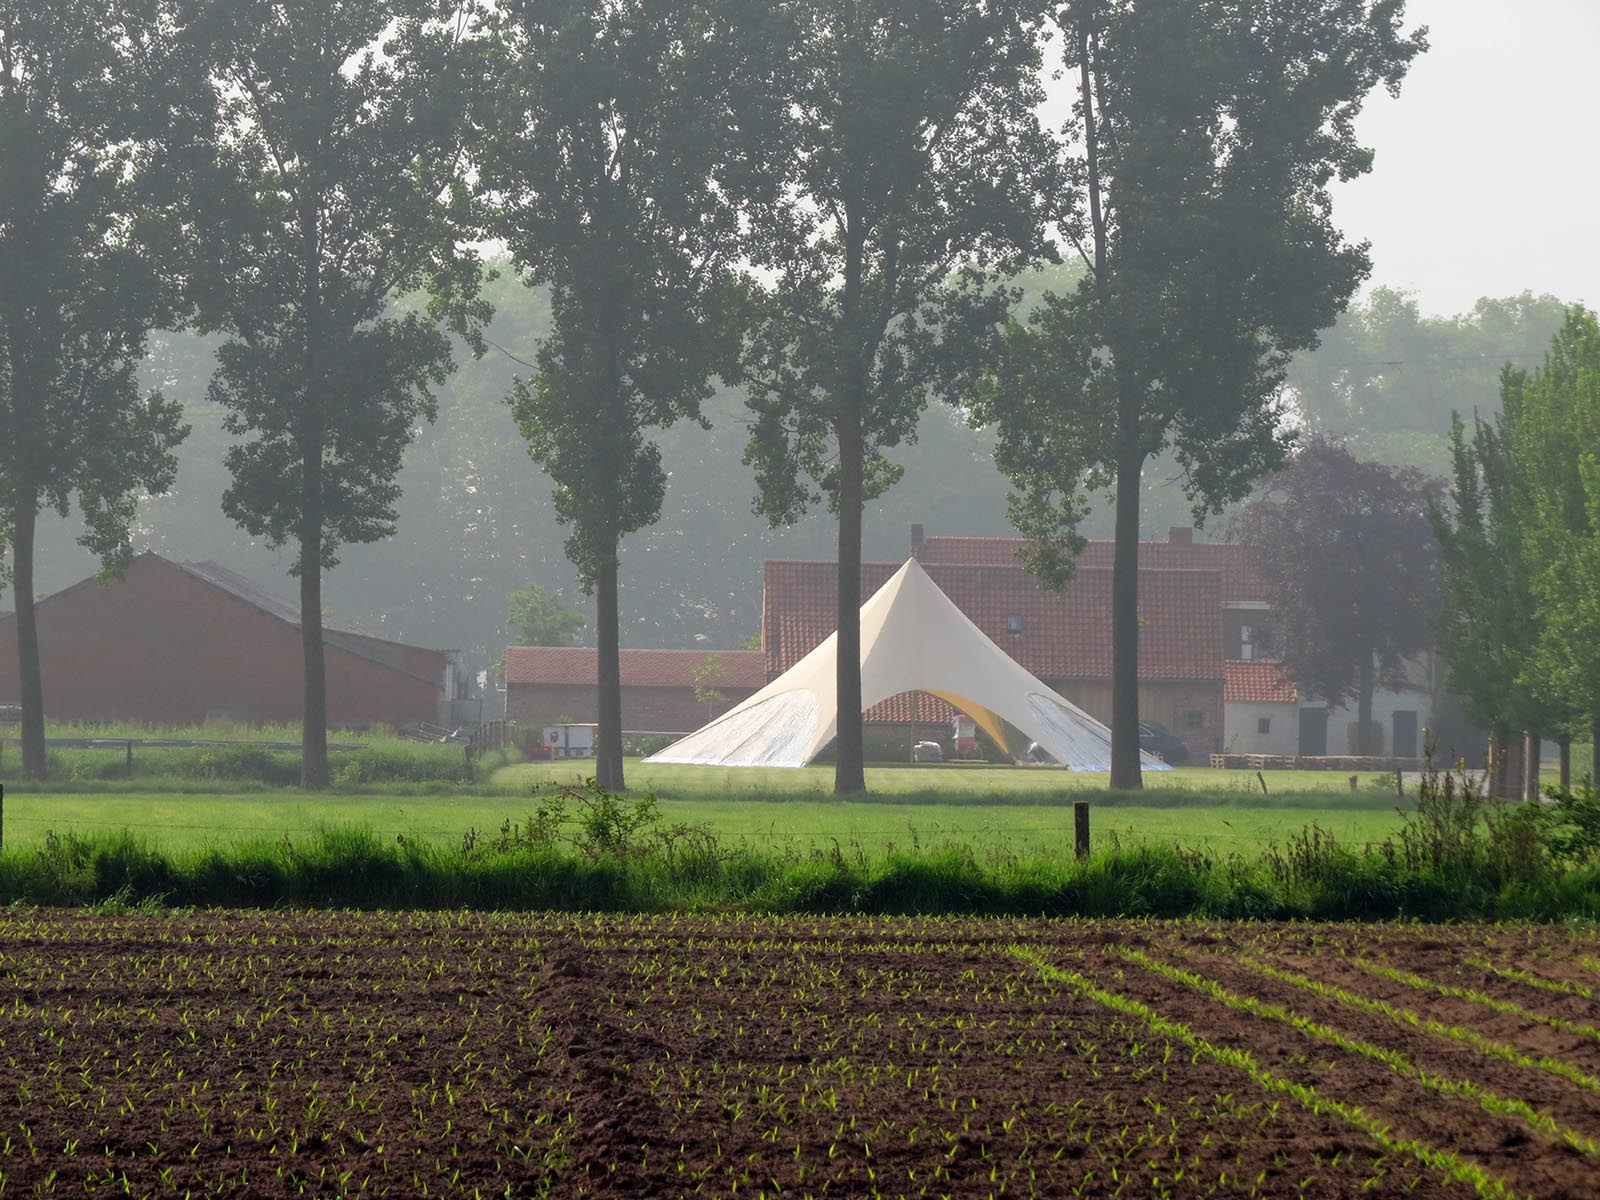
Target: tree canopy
[(1205, 138), (614, 166), (1347, 554), (331, 183), (84, 278), (535, 617), (916, 171)]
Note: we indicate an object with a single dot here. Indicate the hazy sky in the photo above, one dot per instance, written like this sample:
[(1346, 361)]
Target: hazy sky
[(1487, 180), (1487, 176)]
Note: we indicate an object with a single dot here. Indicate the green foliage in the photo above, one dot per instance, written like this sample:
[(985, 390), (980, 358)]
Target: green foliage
[(1206, 138), (609, 170), (527, 867), (1519, 546), (1559, 407), (1386, 378), (535, 617), (83, 218), (328, 185), (918, 169), (84, 243)]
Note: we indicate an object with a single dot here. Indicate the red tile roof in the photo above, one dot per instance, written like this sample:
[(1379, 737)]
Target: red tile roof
[(1257, 681), (576, 665), (1239, 580), (1062, 637)]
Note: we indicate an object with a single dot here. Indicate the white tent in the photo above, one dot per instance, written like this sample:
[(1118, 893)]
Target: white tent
[(913, 638)]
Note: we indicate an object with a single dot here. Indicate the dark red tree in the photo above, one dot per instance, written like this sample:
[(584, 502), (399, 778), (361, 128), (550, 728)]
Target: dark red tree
[(1351, 569)]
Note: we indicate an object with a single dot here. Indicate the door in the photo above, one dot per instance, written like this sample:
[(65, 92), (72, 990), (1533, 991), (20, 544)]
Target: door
[(1405, 734), (1313, 731)]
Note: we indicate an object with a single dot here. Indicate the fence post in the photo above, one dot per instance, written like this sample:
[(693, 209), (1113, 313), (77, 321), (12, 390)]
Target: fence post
[(130, 758), (1399, 784), (2, 816), (1080, 822)]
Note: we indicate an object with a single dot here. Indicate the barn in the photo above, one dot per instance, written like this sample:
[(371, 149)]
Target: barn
[(177, 644), (555, 685)]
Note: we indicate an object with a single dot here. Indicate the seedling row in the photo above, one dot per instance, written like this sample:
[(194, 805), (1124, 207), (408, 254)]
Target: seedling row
[(289, 1054)]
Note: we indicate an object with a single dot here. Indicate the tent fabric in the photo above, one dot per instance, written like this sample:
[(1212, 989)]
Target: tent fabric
[(913, 638)]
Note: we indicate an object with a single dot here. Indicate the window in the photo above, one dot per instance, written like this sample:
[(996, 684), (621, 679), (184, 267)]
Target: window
[(1014, 624), (1247, 642), (1263, 724), (1194, 719)]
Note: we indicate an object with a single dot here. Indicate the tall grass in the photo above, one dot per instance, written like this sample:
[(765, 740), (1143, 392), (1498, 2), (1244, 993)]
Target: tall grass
[(360, 868)]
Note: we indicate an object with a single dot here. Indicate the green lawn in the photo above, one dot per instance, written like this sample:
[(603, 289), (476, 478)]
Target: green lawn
[(994, 810), (961, 784)]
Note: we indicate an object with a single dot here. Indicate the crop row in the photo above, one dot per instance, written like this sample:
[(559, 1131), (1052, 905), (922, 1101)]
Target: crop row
[(479, 1054)]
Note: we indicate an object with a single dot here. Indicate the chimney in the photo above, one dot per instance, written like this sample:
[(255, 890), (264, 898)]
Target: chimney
[(917, 541), (1180, 535)]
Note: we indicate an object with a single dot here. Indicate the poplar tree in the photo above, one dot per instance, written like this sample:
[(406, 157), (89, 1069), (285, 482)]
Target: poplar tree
[(1205, 137), (84, 278), (332, 183), (617, 160), (918, 173)]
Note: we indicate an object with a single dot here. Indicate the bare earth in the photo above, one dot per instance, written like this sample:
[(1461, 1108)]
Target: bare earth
[(324, 1054)]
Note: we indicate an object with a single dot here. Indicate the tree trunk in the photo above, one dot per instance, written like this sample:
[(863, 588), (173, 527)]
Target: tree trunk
[(24, 520), (1531, 751), (1125, 770), (1366, 743), (1564, 744), (608, 739), (849, 772), (314, 713), (1499, 755)]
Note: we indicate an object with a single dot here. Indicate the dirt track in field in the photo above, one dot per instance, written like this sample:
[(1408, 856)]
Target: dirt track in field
[(327, 1054)]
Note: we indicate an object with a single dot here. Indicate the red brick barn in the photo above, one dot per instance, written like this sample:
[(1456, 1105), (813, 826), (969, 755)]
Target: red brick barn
[(551, 685), (177, 644)]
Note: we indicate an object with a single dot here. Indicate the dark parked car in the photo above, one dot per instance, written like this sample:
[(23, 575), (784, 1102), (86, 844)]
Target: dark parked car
[(1162, 742)]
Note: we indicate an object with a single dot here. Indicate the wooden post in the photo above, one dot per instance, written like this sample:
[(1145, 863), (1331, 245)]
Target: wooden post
[(1080, 821), (1399, 784), (1352, 783), (130, 758), (2, 816), (1262, 780)]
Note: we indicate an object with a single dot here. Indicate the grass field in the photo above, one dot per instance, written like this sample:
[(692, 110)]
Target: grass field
[(180, 820), (977, 784), (992, 810)]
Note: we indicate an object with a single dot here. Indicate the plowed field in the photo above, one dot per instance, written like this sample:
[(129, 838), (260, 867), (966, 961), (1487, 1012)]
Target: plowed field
[(317, 1054)]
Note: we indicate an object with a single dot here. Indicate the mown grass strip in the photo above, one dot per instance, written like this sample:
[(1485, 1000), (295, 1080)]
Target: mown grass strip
[(1443, 1161), (1491, 1102), (1508, 1007), (1560, 986), (1404, 1016)]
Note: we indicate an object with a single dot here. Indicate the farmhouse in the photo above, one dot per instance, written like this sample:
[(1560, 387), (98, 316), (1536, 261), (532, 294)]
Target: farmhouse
[(550, 685), (1263, 713), (1064, 640), (181, 643)]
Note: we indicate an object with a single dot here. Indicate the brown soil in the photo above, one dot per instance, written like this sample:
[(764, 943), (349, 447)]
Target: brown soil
[(326, 1054)]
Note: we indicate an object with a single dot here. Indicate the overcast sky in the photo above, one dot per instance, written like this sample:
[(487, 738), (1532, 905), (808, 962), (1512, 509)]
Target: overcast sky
[(1487, 180), (1487, 177)]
